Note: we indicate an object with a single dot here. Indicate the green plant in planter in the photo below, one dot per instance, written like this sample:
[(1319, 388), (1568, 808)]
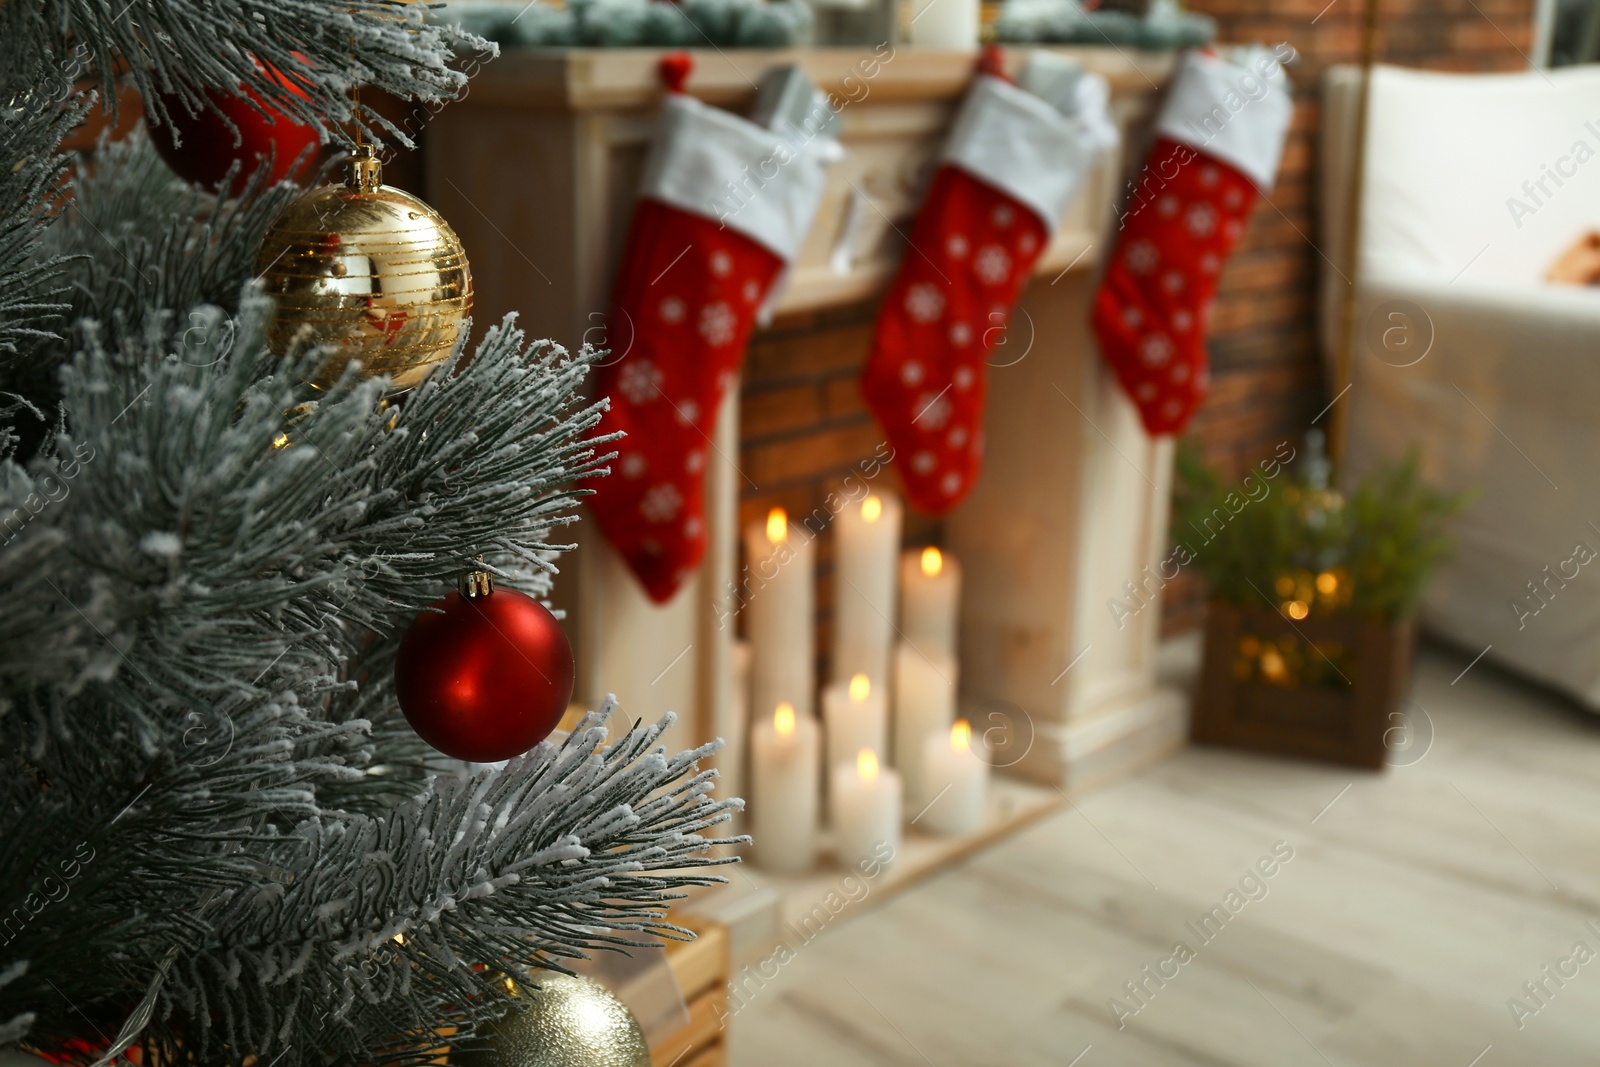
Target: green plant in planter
[(1288, 539)]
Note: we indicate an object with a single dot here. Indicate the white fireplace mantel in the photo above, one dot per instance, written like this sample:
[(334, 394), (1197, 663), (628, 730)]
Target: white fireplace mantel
[(536, 169)]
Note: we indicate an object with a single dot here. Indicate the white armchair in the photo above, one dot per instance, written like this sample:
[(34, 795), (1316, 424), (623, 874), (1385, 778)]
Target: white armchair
[(1474, 185)]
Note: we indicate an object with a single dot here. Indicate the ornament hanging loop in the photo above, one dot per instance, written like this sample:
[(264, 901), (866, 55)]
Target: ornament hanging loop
[(363, 170), (474, 584)]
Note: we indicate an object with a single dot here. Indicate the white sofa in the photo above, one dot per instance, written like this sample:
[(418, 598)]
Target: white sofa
[(1506, 401)]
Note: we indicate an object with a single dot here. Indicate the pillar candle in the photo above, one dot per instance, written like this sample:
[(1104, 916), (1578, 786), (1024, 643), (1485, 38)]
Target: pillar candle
[(865, 801), (784, 776), (779, 605), (856, 716), (924, 706), (866, 545), (944, 23), (955, 782), (930, 601)]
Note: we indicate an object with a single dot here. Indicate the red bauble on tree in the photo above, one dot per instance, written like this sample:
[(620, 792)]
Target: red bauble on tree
[(486, 676), (208, 148)]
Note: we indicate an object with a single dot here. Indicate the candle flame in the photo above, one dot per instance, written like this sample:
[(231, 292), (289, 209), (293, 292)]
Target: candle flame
[(932, 561), (777, 526), (871, 509), (860, 687), (961, 736), (867, 765), (783, 719)]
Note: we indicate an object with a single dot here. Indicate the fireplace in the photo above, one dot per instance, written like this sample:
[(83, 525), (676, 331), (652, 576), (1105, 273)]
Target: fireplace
[(537, 169)]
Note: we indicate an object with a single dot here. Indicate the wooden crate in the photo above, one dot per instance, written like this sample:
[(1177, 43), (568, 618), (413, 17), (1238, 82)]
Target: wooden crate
[(1344, 722), (701, 968)]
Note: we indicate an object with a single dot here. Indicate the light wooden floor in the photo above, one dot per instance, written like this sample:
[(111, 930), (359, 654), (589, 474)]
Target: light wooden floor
[(1415, 905)]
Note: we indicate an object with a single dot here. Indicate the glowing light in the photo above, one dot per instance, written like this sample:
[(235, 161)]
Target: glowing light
[(1272, 665), (399, 939), (281, 441), (1327, 583), (871, 509), (867, 765), (932, 561), (961, 736), (783, 719), (777, 526), (1285, 586), (860, 687), (1297, 609)]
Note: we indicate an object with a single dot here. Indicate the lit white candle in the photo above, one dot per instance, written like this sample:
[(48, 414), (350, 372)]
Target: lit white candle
[(930, 601), (784, 776), (866, 544), (780, 605), (944, 23), (924, 706), (955, 782), (865, 800), (856, 716)]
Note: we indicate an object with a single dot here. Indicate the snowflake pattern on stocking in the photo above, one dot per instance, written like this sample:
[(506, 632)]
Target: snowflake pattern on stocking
[(661, 503), (718, 323), (1142, 257), (993, 265), (932, 410), (640, 381), (924, 303)]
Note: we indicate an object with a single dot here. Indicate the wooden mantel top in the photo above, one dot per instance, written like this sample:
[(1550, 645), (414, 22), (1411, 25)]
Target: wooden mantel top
[(582, 79)]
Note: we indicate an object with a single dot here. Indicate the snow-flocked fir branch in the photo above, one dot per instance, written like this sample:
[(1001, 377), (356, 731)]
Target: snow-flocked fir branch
[(180, 48), (32, 291), (132, 236)]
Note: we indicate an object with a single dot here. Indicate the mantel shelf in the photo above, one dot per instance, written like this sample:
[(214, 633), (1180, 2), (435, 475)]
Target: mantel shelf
[(539, 167), (586, 79)]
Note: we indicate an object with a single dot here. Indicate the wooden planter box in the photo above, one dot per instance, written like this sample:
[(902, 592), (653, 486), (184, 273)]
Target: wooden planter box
[(1359, 672)]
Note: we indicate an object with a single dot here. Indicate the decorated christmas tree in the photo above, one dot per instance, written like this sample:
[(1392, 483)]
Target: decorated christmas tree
[(226, 503)]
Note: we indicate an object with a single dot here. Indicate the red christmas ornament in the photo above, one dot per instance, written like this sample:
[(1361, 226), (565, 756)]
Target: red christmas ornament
[(208, 148), (485, 677)]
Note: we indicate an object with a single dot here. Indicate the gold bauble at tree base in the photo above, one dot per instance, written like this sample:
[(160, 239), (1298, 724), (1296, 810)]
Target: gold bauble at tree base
[(369, 271), (567, 1022)]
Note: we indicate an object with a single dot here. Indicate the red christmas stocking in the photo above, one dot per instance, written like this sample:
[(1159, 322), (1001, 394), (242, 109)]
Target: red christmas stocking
[(1010, 167), (724, 207), (1218, 141)]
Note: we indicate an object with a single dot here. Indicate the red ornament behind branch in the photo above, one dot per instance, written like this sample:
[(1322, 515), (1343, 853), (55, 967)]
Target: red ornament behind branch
[(487, 675), (208, 145)]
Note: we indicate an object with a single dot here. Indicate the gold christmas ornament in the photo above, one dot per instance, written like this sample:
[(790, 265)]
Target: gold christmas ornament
[(369, 270), (568, 1022)]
